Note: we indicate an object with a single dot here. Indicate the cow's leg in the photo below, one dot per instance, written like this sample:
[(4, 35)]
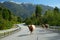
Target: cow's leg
[(31, 30)]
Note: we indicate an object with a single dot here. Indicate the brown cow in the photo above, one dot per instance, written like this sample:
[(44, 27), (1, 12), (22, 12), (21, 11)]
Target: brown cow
[(31, 28), (45, 26)]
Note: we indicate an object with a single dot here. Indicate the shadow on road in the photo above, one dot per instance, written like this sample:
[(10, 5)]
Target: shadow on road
[(23, 35)]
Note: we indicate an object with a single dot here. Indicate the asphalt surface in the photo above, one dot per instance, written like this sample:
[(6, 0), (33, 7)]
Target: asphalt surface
[(38, 34)]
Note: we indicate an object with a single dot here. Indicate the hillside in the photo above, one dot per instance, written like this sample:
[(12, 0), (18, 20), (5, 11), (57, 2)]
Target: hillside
[(24, 10)]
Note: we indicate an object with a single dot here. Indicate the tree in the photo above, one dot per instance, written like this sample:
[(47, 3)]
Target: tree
[(7, 19), (28, 21), (38, 11), (36, 16), (48, 17), (10, 17), (56, 10), (5, 14), (0, 8), (0, 12), (19, 19)]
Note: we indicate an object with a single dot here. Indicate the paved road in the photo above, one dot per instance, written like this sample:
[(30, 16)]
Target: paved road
[(38, 34)]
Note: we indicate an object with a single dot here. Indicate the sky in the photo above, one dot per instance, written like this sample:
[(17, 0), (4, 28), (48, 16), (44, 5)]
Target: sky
[(53, 3)]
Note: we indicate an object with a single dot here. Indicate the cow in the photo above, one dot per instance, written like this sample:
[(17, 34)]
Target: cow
[(45, 26), (31, 28)]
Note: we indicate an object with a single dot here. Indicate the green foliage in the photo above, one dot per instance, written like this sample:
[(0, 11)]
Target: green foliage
[(36, 17), (38, 11), (23, 10), (51, 17), (5, 14), (19, 19), (1, 24), (28, 21), (56, 10), (7, 19)]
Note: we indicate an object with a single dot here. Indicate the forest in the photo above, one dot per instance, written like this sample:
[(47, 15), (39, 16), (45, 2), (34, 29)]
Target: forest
[(51, 17), (7, 19)]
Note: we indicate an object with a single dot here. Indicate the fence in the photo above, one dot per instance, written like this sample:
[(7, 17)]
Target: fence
[(4, 33)]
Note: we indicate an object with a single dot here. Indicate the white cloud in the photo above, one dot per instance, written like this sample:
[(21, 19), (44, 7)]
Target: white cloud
[(2, 1), (56, 5), (16, 2)]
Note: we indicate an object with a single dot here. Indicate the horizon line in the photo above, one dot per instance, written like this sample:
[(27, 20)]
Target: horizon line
[(29, 3)]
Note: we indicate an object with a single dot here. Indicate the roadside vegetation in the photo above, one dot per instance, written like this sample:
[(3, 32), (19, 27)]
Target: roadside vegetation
[(51, 17), (7, 19)]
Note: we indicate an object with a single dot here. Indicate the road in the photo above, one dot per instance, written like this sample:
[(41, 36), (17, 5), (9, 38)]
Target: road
[(38, 34)]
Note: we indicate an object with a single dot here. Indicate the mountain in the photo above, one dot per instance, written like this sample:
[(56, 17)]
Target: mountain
[(45, 7), (24, 9)]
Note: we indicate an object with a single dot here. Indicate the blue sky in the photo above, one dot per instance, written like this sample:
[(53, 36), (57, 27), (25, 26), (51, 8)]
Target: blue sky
[(52, 3)]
